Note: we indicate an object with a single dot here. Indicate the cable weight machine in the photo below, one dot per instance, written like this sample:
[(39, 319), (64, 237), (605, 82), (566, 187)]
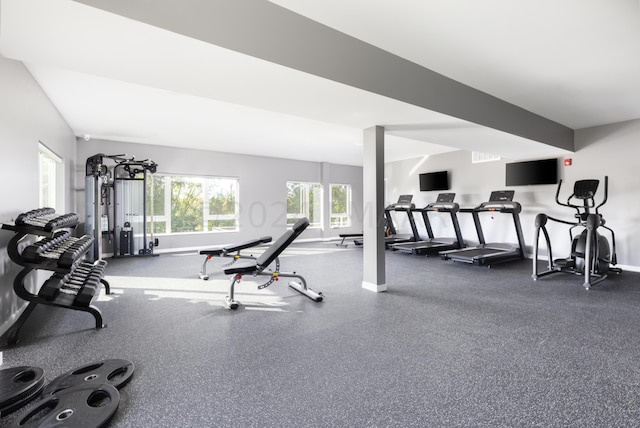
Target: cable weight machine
[(116, 205), (591, 256)]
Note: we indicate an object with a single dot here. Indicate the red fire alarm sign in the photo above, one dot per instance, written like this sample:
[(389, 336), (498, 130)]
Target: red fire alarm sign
[(567, 162)]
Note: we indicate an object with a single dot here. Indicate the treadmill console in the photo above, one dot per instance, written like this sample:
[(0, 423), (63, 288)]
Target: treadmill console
[(445, 197), (404, 203), (444, 202), (500, 200), (502, 196)]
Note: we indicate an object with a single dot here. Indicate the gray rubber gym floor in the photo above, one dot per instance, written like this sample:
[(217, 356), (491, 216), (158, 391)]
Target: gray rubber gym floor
[(449, 345)]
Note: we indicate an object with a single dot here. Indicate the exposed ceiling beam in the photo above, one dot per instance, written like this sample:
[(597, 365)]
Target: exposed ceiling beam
[(267, 31)]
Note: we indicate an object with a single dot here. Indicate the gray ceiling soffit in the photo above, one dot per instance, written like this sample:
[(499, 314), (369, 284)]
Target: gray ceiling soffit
[(264, 30)]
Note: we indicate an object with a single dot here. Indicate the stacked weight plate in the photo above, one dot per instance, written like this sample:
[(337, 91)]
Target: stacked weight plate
[(83, 406), (86, 397), (18, 386), (113, 372)]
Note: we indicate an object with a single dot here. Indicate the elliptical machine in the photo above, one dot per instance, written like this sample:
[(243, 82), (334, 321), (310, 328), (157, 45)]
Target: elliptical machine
[(590, 255)]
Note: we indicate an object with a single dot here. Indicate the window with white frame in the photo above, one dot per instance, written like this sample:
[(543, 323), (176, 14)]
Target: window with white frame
[(184, 204), (478, 157), (304, 200), (340, 205), (51, 193)]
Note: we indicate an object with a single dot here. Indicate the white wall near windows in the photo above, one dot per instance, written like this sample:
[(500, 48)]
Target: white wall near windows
[(608, 150), (26, 117)]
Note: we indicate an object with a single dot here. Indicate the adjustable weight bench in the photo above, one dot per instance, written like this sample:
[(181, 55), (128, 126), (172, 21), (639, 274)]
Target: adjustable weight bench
[(227, 251), (258, 266)]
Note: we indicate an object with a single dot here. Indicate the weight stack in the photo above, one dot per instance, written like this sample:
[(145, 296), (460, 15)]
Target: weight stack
[(126, 242)]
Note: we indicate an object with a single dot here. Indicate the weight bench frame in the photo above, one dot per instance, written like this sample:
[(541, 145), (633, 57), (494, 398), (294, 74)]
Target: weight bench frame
[(258, 266), (226, 251), (346, 236)]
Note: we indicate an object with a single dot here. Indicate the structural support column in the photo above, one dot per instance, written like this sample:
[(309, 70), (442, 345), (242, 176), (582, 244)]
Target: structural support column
[(373, 277)]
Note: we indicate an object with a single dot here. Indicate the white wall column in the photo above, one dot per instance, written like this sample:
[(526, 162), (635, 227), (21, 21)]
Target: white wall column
[(373, 277)]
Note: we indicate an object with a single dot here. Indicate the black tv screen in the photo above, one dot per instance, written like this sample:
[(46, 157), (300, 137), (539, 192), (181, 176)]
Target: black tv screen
[(532, 172), (434, 181)]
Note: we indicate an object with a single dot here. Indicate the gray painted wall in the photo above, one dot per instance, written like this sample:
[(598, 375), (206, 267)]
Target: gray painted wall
[(26, 117), (262, 188), (605, 150)]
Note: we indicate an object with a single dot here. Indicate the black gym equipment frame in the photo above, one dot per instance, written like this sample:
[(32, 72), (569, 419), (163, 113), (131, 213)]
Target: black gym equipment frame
[(485, 254), (444, 203), (405, 205), (258, 267), (74, 283), (355, 237), (591, 255), (234, 251), (117, 181)]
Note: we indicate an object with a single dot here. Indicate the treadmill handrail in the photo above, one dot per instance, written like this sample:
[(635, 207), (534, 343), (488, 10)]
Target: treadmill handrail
[(441, 206), (507, 207), (401, 207)]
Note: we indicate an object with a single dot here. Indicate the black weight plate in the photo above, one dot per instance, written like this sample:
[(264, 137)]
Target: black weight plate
[(23, 400), (113, 372), (19, 382), (86, 406)]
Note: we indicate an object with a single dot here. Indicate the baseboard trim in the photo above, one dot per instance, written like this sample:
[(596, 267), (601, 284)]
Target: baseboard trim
[(377, 288)]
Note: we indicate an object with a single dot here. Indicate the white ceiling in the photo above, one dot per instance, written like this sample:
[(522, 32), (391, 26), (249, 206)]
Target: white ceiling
[(576, 62), (572, 61)]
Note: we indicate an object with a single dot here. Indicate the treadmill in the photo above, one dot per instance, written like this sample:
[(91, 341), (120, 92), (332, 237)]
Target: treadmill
[(404, 204), (488, 254), (444, 203)]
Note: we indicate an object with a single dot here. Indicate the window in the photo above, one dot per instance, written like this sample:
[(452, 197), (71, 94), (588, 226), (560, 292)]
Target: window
[(478, 157), (179, 204), (51, 179), (304, 200), (221, 204), (340, 205), (158, 204)]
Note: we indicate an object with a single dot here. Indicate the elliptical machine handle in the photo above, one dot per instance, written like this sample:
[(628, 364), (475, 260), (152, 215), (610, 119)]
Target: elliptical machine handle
[(606, 192), (558, 196)]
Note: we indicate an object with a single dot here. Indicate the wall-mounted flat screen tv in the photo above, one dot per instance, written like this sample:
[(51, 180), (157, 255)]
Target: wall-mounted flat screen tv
[(543, 171), (434, 181)]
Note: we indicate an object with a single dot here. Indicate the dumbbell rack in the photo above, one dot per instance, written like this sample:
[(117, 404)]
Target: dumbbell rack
[(74, 282)]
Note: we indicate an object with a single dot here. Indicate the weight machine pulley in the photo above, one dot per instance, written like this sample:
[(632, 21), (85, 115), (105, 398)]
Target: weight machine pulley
[(115, 201)]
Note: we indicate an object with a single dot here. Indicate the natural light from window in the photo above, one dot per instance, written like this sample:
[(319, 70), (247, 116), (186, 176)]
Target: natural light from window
[(186, 204), (340, 205), (50, 170), (304, 200)]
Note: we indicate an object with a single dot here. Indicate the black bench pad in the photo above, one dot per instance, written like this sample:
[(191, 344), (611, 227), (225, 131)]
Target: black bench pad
[(235, 247), (271, 253)]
